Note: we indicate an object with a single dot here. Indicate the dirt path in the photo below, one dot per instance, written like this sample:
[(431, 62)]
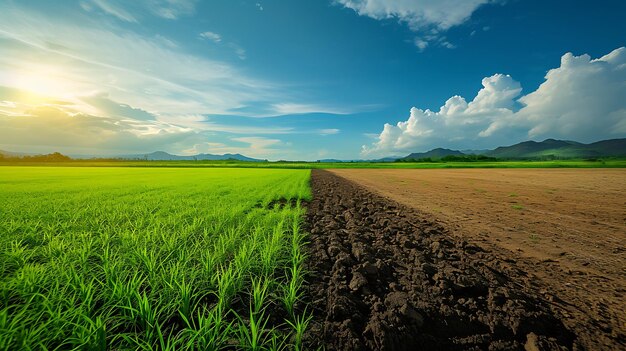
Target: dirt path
[(565, 228), (387, 277)]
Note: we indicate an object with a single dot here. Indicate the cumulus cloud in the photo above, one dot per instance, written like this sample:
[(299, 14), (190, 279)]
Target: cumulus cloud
[(583, 100), (426, 17)]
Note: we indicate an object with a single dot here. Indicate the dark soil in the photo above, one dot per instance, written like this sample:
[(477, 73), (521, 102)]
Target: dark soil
[(384, 277)]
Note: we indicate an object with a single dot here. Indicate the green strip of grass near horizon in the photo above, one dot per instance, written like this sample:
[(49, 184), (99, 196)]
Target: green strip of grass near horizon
[(609, 163)]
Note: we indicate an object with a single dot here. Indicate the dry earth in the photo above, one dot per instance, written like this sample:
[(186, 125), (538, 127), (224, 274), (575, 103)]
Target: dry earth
[(387, 277), (562, 232)]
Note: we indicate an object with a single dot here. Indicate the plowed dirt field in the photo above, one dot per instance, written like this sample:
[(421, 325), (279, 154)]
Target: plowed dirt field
[(468, 259)]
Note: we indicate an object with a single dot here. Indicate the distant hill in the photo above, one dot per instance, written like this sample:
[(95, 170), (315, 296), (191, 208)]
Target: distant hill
[(475, 152), (164, 156), (551, 148), (28, 157), (384, 159), (15, 154), (433, 154), (611, 147), (154, 156)]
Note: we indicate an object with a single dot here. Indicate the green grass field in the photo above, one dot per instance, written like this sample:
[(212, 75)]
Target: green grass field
[(151, 258)]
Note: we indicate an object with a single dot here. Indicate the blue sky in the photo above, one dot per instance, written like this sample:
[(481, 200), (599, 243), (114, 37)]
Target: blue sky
[(307, 79)]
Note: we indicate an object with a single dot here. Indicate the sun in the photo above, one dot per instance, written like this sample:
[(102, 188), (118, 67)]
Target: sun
[(42, 82)]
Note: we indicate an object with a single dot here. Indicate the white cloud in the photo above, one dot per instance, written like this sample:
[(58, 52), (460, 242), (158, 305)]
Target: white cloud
[(582, 100), (129, 10), (171, 9), (112, 9), (421, 43), (211, 36), (295, 109), (328, 131), (430, 18)]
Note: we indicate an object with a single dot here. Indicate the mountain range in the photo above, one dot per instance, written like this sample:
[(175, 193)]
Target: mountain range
[(434, 154), (561, 149), (547, 149), (164, 156), (153, 156)]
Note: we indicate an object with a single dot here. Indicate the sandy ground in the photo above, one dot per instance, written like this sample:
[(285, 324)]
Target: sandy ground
[(565, 227)]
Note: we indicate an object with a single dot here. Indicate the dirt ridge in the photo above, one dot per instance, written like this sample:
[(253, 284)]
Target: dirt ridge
[(385, 277)]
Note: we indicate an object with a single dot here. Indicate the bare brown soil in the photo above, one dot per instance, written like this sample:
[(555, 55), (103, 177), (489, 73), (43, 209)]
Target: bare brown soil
[(384, 276), (565, 229)]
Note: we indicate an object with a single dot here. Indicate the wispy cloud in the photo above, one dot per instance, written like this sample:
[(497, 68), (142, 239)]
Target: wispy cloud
[(214, 37), (238, 50), (217, 39), (172, 9), (295, 109), (141, 71), (129, 11), (110, 8)]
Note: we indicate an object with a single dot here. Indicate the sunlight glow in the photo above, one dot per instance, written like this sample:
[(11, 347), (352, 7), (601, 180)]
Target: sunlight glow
[(42, 82)]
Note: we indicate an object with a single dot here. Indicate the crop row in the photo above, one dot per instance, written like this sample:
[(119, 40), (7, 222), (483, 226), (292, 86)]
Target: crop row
[(121, 258)]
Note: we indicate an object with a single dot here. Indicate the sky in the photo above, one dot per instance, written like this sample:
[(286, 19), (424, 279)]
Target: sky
[(308, 80)]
